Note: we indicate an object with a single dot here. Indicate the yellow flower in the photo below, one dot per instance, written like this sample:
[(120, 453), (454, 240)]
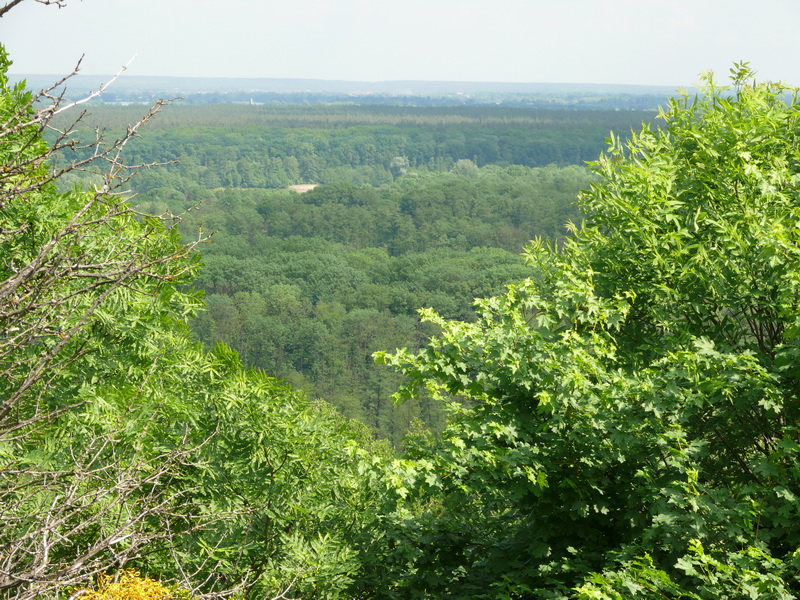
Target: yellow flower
[(129, 585)]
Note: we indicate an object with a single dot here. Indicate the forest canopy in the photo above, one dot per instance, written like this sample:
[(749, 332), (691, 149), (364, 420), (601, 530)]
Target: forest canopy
[(308, 286), (276, 146)]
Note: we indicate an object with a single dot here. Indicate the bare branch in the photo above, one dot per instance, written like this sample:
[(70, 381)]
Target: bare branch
[(8, 6), (92, 95), (100, 498), (124, 496)]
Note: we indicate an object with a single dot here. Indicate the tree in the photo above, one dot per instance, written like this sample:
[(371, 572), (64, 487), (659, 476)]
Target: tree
[(627, 423), (83, 285), (123, 444), (399, 166), (466, 168)]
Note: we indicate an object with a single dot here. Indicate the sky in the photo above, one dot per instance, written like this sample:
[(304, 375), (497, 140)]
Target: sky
[(646, 42)]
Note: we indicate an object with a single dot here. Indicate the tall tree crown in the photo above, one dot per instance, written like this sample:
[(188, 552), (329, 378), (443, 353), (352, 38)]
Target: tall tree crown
[(628, 415)]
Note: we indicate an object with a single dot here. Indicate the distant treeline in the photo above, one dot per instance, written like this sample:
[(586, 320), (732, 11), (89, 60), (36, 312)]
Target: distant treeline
[(276, 146), (227, 90), (575, 101), (339, 116)]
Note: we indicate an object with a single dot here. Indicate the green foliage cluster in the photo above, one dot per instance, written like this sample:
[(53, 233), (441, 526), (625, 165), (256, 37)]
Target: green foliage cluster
[(308, 286), (630, 423), (123, 443)]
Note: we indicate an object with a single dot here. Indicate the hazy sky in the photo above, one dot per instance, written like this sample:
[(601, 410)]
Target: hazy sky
[(662, 42)]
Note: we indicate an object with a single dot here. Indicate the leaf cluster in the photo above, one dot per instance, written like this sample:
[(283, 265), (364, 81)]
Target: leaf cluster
[(628, 423), (123, 443)]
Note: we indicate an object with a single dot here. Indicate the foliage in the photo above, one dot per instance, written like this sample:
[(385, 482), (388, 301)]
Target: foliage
[(628, 422), (623, 423), (124, 444), (308, 286), (77, 314)]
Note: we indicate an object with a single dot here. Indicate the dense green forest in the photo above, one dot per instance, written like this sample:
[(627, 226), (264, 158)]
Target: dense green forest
[(276, 146), (416, 210), (621, 421), (308, 286)]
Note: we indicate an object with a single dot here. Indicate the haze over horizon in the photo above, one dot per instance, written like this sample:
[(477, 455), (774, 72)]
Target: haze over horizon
[(507, 41)]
